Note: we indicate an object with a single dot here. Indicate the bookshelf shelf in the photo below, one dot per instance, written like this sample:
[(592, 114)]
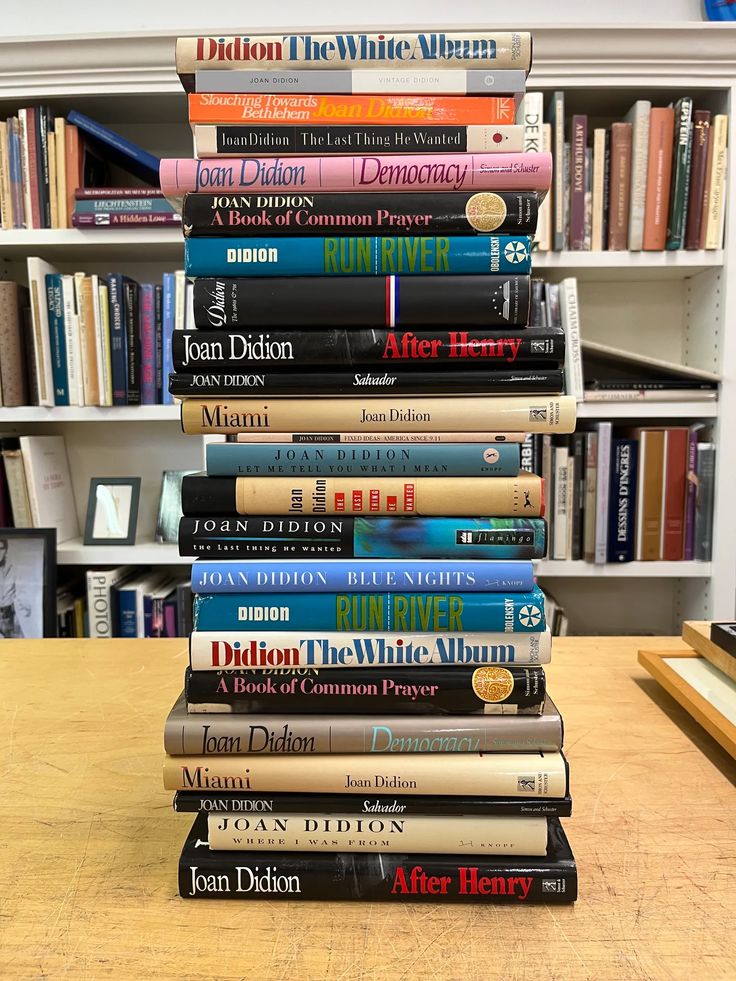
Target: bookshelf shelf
[(627, 570), (612, 266), (64, 413), (56, 244), (144, 552), (705, 409)]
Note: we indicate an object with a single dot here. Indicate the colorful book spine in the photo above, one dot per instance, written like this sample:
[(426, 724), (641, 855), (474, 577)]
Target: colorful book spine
[(118, 340), (306, 141), (462, 774), (659, 178), (364, 256), (227, 350), (462, 382), (673, 503), (691, 493), (714, 212), (131, 319), (504, 497), (314, 109), (447, 172), (522, 414), (622, 501), (282, 459), (455, 213), (148, 344), (124, 205), (497, 693), (169, 333), (502, 612), (381, 438), (104, 219), (355, 537), (578, 147), (57, 338), (366, 576), (681, 162), (449, 81), (367, 301)]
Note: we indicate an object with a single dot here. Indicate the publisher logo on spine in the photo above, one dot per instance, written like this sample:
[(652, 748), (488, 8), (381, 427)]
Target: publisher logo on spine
[(485, 211)]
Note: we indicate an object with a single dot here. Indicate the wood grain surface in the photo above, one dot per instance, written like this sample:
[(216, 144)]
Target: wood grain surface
[(90, 843)]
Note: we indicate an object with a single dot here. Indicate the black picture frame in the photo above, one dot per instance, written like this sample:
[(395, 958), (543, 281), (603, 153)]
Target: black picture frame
[(23, 608), (92, 504)]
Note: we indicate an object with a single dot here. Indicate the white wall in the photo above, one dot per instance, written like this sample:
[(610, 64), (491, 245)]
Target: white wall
[(50, 17)]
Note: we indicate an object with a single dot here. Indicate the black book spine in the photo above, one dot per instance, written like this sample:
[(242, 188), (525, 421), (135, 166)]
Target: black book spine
[(372, 691), (374, 877), (489, 349), (132, 321), (158, 323), (439, 213), (577, 495), (306, 140), (42, 165), (203, 495), (233, 802), (366, 382), (361, 301)]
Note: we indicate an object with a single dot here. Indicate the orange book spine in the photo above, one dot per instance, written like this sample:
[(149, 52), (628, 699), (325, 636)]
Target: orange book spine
[(235, 107), (675, 479), (74, 177), (659, 178)]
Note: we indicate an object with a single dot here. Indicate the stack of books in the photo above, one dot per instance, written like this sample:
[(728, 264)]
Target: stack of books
[(365, 583)]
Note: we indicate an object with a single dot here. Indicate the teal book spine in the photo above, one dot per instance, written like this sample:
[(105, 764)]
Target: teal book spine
[(57, 338)]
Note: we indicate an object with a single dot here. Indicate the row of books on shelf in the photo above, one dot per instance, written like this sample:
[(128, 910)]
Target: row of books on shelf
[(124, 602), (89, 340), (655, 180), (624, 495), (56, 172)]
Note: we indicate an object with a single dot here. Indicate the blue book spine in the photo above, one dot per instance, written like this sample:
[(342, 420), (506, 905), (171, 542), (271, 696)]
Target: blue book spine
[(367, 256), (364, 576), (15, 172), (147, 315), (332, 460), (57, 338), (502, 612), (168, 333), (127, 154), (127, 612), (118, 340), (147, 615), (622, 501)]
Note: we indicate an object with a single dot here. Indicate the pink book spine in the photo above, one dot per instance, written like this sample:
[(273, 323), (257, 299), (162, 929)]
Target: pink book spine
[(449, 172)]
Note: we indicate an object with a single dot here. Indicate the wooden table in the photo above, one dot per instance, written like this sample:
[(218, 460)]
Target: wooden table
[(90, 843)]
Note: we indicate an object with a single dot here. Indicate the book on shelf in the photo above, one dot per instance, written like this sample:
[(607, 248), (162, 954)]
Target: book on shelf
[(37, 483)]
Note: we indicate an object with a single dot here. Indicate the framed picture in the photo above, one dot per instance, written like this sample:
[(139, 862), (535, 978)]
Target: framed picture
[(112, 511), (27, 572), (169, 506)]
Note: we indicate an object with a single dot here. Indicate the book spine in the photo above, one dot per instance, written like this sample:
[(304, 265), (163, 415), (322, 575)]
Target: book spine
[(73, 154), (557, 121), (132, 342), (448, 172), (233, 802), (122, 205), (461, 382), (132, 157), (147, 344), (701, 136), (308, 111), (598, 190), (234, 459), (490, 538), (217, 649), (158, 326), (706, 466), (25, 182), (602, 492), (457, 835), (102, 219), (578, 142), (618, 214), (118, 339), (228, 350), (649, 503), (506, 612), (691, 494), (105, 340), (659, 178), (169, 334), (622, 513), (15, 477), (681, 155), (561, 503), (15, 169), (577, 497), (12, 364), (57, 339), (88, 344), (43, 166), (639, 118), (393, 301), (116, 193), (449, 81), (32, 175), (380, 438), (367, 576), (675, 479), (323, 141), (439, 213), (466, 774), (570, 312), (521, 414), (60, 149), (454, 50), (99, 603), (226, 704), (6, 199), (522, 495), (714, 206), (72, 342), (364, 256)]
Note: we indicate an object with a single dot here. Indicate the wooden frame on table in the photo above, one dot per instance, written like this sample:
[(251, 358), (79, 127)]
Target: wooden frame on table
[(716, 724)]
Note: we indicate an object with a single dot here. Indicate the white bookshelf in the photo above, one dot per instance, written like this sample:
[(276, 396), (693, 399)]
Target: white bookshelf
[(679, 304)]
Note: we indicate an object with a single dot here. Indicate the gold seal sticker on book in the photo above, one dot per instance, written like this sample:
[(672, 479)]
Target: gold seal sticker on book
[(493, 684), (485, 211)]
